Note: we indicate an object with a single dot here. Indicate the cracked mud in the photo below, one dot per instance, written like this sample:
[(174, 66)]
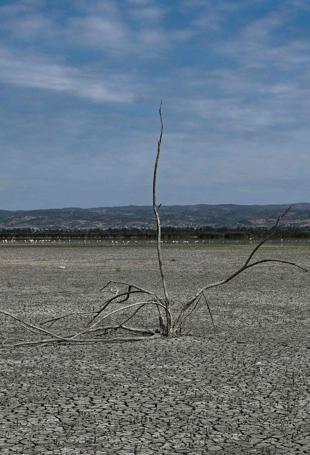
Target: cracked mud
[(243, 389)]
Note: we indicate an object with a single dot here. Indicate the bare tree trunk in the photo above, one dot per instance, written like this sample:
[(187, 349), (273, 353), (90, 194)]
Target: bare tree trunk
[(166, 326)]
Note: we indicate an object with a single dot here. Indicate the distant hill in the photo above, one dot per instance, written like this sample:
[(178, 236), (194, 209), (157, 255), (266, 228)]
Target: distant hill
[(216, 216)]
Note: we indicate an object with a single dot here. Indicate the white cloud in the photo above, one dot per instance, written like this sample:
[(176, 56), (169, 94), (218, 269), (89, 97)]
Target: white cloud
[(263, 85), (30, 26), (265, 44), (113, 32), (99, 31), (25, 20), (237, 116), (148, 12), (132, 29), (22, 6), (42, 73)]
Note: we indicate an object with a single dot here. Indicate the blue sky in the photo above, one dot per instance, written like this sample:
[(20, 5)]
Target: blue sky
[(81, 82)]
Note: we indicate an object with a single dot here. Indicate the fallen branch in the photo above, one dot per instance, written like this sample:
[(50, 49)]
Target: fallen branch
[(32, 327), (83, 341), (123, 327)]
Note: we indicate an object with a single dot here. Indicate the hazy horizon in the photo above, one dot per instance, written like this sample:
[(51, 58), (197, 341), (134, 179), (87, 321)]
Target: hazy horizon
[(150, 206)]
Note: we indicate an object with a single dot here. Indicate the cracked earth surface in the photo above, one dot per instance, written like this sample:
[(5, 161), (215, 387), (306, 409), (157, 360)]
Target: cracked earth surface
[(243, 389)]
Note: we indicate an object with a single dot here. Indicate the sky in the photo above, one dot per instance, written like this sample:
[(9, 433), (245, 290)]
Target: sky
[(81, 83)]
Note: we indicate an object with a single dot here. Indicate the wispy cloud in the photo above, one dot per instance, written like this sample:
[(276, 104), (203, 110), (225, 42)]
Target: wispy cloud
[(147, 12), (139, 32), (260, 45), (142, 35), (25, 20), (247, 102), (264, 86), (99, 32), (43, 73)]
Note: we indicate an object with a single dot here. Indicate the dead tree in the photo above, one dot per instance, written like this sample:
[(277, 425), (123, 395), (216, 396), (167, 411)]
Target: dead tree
[(130, 299)]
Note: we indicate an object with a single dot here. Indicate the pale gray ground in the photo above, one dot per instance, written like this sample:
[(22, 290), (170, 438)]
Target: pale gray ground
[(243, 389)]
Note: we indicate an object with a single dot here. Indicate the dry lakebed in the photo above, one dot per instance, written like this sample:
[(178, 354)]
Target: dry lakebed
[(239, 388)]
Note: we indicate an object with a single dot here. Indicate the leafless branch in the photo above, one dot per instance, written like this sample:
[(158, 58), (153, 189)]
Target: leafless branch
[(269, 236), (114, 299), (124, 283), (133, 314), (132, 305), (78, 341), (52, 321), (124, 327), (32, 327), (183, 315), (246, 267), (209, 309), (247, 264)]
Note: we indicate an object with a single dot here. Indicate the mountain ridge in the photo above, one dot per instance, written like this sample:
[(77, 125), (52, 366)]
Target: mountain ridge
[(141, 216)]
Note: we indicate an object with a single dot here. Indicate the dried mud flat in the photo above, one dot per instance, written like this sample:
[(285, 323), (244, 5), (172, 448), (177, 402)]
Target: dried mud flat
[(243, 389)]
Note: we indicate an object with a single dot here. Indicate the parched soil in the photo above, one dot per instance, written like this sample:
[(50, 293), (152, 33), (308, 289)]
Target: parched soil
[(242, 388)]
